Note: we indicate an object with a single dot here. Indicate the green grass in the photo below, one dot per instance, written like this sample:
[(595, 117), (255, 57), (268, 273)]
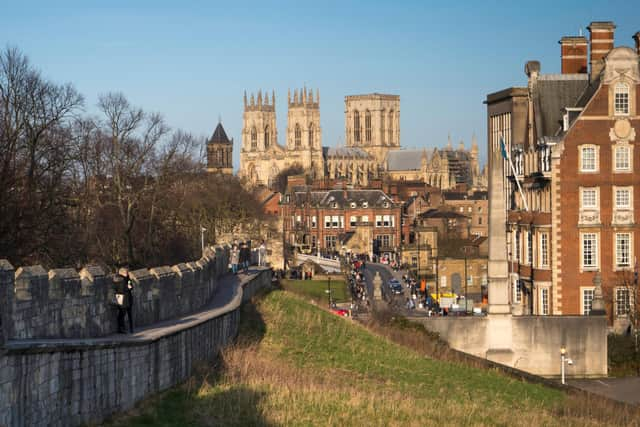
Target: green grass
[(317, 289), (297, 364)]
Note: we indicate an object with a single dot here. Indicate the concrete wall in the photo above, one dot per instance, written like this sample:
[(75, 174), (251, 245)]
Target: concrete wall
[(63, 303), (536, 341)]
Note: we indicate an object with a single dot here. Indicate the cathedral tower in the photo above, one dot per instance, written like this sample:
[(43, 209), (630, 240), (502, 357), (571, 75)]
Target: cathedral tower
[(373, 123), (304, 135), (259, 131)]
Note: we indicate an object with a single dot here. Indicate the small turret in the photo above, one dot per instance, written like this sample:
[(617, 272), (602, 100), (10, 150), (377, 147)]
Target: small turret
[(245, 99)]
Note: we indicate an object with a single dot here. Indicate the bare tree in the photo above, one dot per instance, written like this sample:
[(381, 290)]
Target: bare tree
[(34, 163)]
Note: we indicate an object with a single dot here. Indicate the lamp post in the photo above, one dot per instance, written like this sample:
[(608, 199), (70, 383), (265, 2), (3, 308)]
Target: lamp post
[(329, 290), (563, 352)]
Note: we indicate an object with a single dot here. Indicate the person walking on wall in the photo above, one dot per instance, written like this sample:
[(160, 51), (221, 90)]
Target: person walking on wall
[(245, 254), (235, 258), (262, 254), (124, 299)]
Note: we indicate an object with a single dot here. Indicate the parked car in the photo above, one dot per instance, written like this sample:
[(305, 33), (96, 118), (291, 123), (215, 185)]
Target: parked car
[(340, 312), (396, 288)]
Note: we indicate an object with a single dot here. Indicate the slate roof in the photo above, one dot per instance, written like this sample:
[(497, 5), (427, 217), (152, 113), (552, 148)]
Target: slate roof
[(220, 136), (346, 152), (552, 93), (403, 160), (457, 195), (343, 198), (436, 213)]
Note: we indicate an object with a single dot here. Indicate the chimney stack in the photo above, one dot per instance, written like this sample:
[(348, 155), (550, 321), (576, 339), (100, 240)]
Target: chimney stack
[(601, 43), (573, 53), (636, 37)]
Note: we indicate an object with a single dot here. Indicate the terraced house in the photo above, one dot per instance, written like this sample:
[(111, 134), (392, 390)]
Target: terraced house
[(571, 138)]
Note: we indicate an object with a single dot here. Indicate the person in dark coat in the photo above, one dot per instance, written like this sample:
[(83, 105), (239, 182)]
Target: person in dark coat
[(124, 297), (245, 255)]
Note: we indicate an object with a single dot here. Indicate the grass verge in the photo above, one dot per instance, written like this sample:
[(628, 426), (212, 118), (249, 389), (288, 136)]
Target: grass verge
[(317, 289), (296, 364)]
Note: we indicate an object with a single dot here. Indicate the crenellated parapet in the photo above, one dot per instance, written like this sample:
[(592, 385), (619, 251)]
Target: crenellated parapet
[(65, 303), (259, 103)]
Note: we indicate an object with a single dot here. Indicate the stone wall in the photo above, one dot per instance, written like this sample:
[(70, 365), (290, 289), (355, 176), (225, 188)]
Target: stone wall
[(75, 381), (63, 303), (536, 341)]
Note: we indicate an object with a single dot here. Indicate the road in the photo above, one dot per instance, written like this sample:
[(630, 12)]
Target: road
[(397, 302)]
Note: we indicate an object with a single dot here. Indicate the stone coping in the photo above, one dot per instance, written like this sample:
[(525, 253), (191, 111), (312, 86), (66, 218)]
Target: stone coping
[(228, 298)]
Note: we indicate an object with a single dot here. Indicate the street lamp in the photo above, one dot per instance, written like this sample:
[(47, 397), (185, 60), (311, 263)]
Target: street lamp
[(564, 359), (329, 290)]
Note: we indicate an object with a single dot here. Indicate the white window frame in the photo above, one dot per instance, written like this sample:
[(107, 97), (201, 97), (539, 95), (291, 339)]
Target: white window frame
[(365, 219), (327, 221), (544, 249), (629, 198), (314, 221), (589, 167), (595, 250), (544, 301), (623, 303), (620, 166), (517, 291), (620, 256), (584, 291), (353, 220), (529, 249), (596, 197), (378, 220), (621, 99)]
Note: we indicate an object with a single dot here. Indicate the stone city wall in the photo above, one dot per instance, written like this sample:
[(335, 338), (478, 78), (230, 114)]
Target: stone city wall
[(63, 303), (536, 341), (61, 382)]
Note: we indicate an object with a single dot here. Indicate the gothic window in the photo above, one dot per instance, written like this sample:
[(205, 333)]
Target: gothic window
[(356, 126), (311, 135), (254, 138), (297, 136), (367, 126), (266, 136), (382, 129), (621, 99), (219, 156), (390, 128)]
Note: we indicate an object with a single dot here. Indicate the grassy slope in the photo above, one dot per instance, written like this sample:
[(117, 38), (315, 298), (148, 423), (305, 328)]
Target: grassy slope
[(299, 365), (316, 289)]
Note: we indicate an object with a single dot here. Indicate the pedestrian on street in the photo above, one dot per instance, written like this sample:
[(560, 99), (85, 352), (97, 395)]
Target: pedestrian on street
[(262, 254), (124, 299), (235, 259), (245, 254)]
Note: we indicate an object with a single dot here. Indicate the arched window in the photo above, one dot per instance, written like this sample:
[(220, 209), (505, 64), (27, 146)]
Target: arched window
[(356, 126), (311, 135), (390, 128), (382, 129), (621, 99), (254, 138), (367, 126), (266, 136), (297, 136)]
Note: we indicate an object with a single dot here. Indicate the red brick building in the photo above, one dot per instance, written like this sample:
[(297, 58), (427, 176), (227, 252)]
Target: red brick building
[(572, 139), (327, 220)]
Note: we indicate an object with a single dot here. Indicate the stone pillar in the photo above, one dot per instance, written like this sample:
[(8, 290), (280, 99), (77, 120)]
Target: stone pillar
[(7, 275), (498, 264)]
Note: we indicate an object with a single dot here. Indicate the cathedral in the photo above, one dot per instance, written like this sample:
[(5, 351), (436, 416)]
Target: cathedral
[(372, 151)]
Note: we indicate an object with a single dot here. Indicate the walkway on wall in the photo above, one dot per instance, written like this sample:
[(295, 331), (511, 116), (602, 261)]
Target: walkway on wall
[(228, 297)]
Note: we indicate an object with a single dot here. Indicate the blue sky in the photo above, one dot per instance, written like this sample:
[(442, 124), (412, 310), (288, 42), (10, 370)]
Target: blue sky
[(192, 61)]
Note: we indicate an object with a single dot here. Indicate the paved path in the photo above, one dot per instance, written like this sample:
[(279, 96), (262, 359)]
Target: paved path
[(622, 389), (227, 297)]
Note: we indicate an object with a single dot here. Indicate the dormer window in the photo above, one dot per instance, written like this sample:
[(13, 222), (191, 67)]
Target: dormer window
[(621, 99), (365, 204), (385, 204), (334, 205), (353, 205)]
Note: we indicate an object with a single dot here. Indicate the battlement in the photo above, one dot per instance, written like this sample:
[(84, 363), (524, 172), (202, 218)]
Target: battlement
[(256, 103), (303, 98), (65, 303)]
